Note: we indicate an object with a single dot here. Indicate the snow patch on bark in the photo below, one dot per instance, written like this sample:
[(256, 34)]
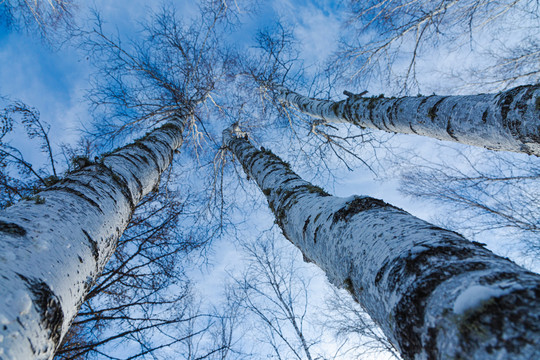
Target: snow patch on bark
[(474, 296)]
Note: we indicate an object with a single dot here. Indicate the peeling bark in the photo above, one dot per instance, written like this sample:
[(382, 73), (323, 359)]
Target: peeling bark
[(53, 248), (508, 121), (435, 294)]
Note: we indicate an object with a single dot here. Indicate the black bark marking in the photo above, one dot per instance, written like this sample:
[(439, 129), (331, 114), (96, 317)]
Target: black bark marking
[(395, 107), (439, 229), (177, 129), (373, 102), (125, 157), (423, 101), (48, 306), (290, 179), (380, 273), (12, 228), (273, 157), (270, 172), (144, 159), (506, 99), (334, 108), (271, 205), (93, 246), (124, 186), (139, 184), (521, 104), (166, 145), (156, 139), (121, 183), (316, 190), (286, 196), (139, 145), (250, 159), (450, 131), (432, 112), (389, 115), (316, 233), (357, 205), (306, 259), (81, 195), (479, 243), (348, 285), (431, 342), (484, 116), (306, 226), (129, 159)]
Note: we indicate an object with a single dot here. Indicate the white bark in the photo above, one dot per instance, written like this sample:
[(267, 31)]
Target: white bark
[(53, 246), (434, 294), (508, 121)]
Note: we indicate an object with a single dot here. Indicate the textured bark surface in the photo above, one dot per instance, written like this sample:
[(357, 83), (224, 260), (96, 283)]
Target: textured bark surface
[(53, 246), (508, 121), (435, 294)]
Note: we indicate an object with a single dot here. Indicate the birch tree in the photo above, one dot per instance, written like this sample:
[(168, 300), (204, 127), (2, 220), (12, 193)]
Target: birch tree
[(507, 121), (55, 244), (434, 294), (132, 299), (142, 291)]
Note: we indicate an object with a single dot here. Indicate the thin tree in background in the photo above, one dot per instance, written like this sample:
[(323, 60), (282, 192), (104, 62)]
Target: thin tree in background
[(44, 17), (433, 293), (486, 192), (27, 177), (272, 289), (348, 321), (275, 291), (507, 121)]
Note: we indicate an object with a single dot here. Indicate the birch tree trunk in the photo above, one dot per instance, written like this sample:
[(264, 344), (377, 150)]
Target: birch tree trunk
[(435, 294), (508, 121), (54, 245)]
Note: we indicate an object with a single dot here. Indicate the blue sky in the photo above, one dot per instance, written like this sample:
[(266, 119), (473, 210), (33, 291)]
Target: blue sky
[(56, 81)]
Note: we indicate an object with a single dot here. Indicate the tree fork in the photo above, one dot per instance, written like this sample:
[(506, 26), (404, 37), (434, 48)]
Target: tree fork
[(507, 121), (54, 245), (435, 294)]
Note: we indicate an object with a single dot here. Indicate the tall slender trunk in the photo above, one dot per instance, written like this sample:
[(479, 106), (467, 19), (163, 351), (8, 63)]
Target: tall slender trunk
[(53, 246), (435, 294), (509, 120)]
